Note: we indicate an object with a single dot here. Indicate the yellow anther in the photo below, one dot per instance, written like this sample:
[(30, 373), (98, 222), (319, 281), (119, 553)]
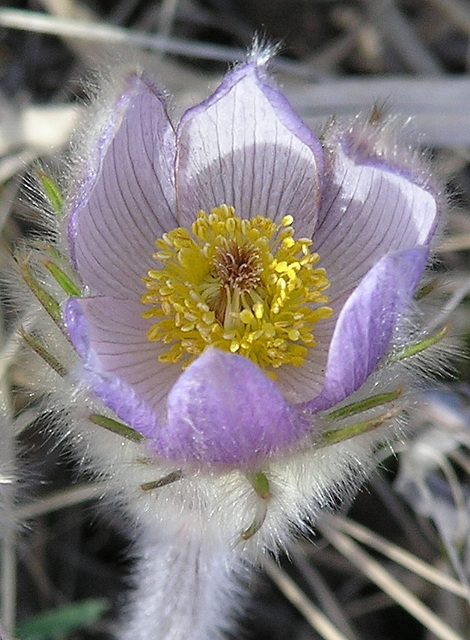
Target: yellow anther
[(208, 317), (293, 335), (246, 316), (258, 310), (288, 242), (243, 285), (281, 266), (234, 346)]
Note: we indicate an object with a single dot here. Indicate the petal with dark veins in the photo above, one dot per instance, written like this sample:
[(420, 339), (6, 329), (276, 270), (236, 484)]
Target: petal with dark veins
[(245, 147), (127, 199)]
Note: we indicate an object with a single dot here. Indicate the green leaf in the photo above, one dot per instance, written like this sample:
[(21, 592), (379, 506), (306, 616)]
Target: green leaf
[(49, 303), (418, 347), (260, 484), (364, 405), (58, 623), (116, 427), (356, 429), (426, 289), (43, 353), (255, 526), (162, 482), (62, 279), (51, 191)]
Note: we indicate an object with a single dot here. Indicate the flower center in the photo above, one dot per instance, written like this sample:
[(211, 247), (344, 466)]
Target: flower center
[(245, 286)]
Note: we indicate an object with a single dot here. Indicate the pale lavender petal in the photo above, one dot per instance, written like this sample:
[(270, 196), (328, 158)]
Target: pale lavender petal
[(127, 199), (366, 324), (225, 410), (369, 209), (300, 384), (245, 147), (109, 336)]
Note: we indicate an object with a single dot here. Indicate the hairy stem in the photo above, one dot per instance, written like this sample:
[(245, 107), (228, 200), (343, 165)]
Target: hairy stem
[(186, 588)]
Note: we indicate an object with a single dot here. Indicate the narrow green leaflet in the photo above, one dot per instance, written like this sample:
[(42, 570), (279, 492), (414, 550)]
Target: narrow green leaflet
[(116, 427), (49, 303), (260, 484), (51, 191), (418, 347), (255, 526), (59, 623), (62, 279), (356, 429), (364, 405), (43, 353), (162, 482), (426, 290)]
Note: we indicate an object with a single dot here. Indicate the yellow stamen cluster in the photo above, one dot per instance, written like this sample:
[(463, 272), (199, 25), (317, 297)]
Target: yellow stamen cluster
[(245, 286)]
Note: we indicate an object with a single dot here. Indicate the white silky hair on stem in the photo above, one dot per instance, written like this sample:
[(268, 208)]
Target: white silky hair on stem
[(185, 587)]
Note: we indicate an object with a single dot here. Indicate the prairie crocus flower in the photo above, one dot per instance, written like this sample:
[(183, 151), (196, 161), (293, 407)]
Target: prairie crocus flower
[(237, 299)]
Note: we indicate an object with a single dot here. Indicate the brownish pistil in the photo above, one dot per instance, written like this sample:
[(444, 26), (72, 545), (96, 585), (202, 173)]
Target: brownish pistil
[(243, 285), (238, 269)]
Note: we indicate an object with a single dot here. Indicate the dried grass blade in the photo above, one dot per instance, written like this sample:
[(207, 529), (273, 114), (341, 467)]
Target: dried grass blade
[(295, 595), (399, 555), (389, 585)]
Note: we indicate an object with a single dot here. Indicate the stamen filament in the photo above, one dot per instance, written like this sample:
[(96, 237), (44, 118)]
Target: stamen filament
[(242, 285)]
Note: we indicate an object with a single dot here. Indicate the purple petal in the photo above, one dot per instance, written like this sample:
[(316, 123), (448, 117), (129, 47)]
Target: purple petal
[(369, 209), (126, 200), (300, 384), (245, 147), (366, 324), (225, 410), (119, 362)]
